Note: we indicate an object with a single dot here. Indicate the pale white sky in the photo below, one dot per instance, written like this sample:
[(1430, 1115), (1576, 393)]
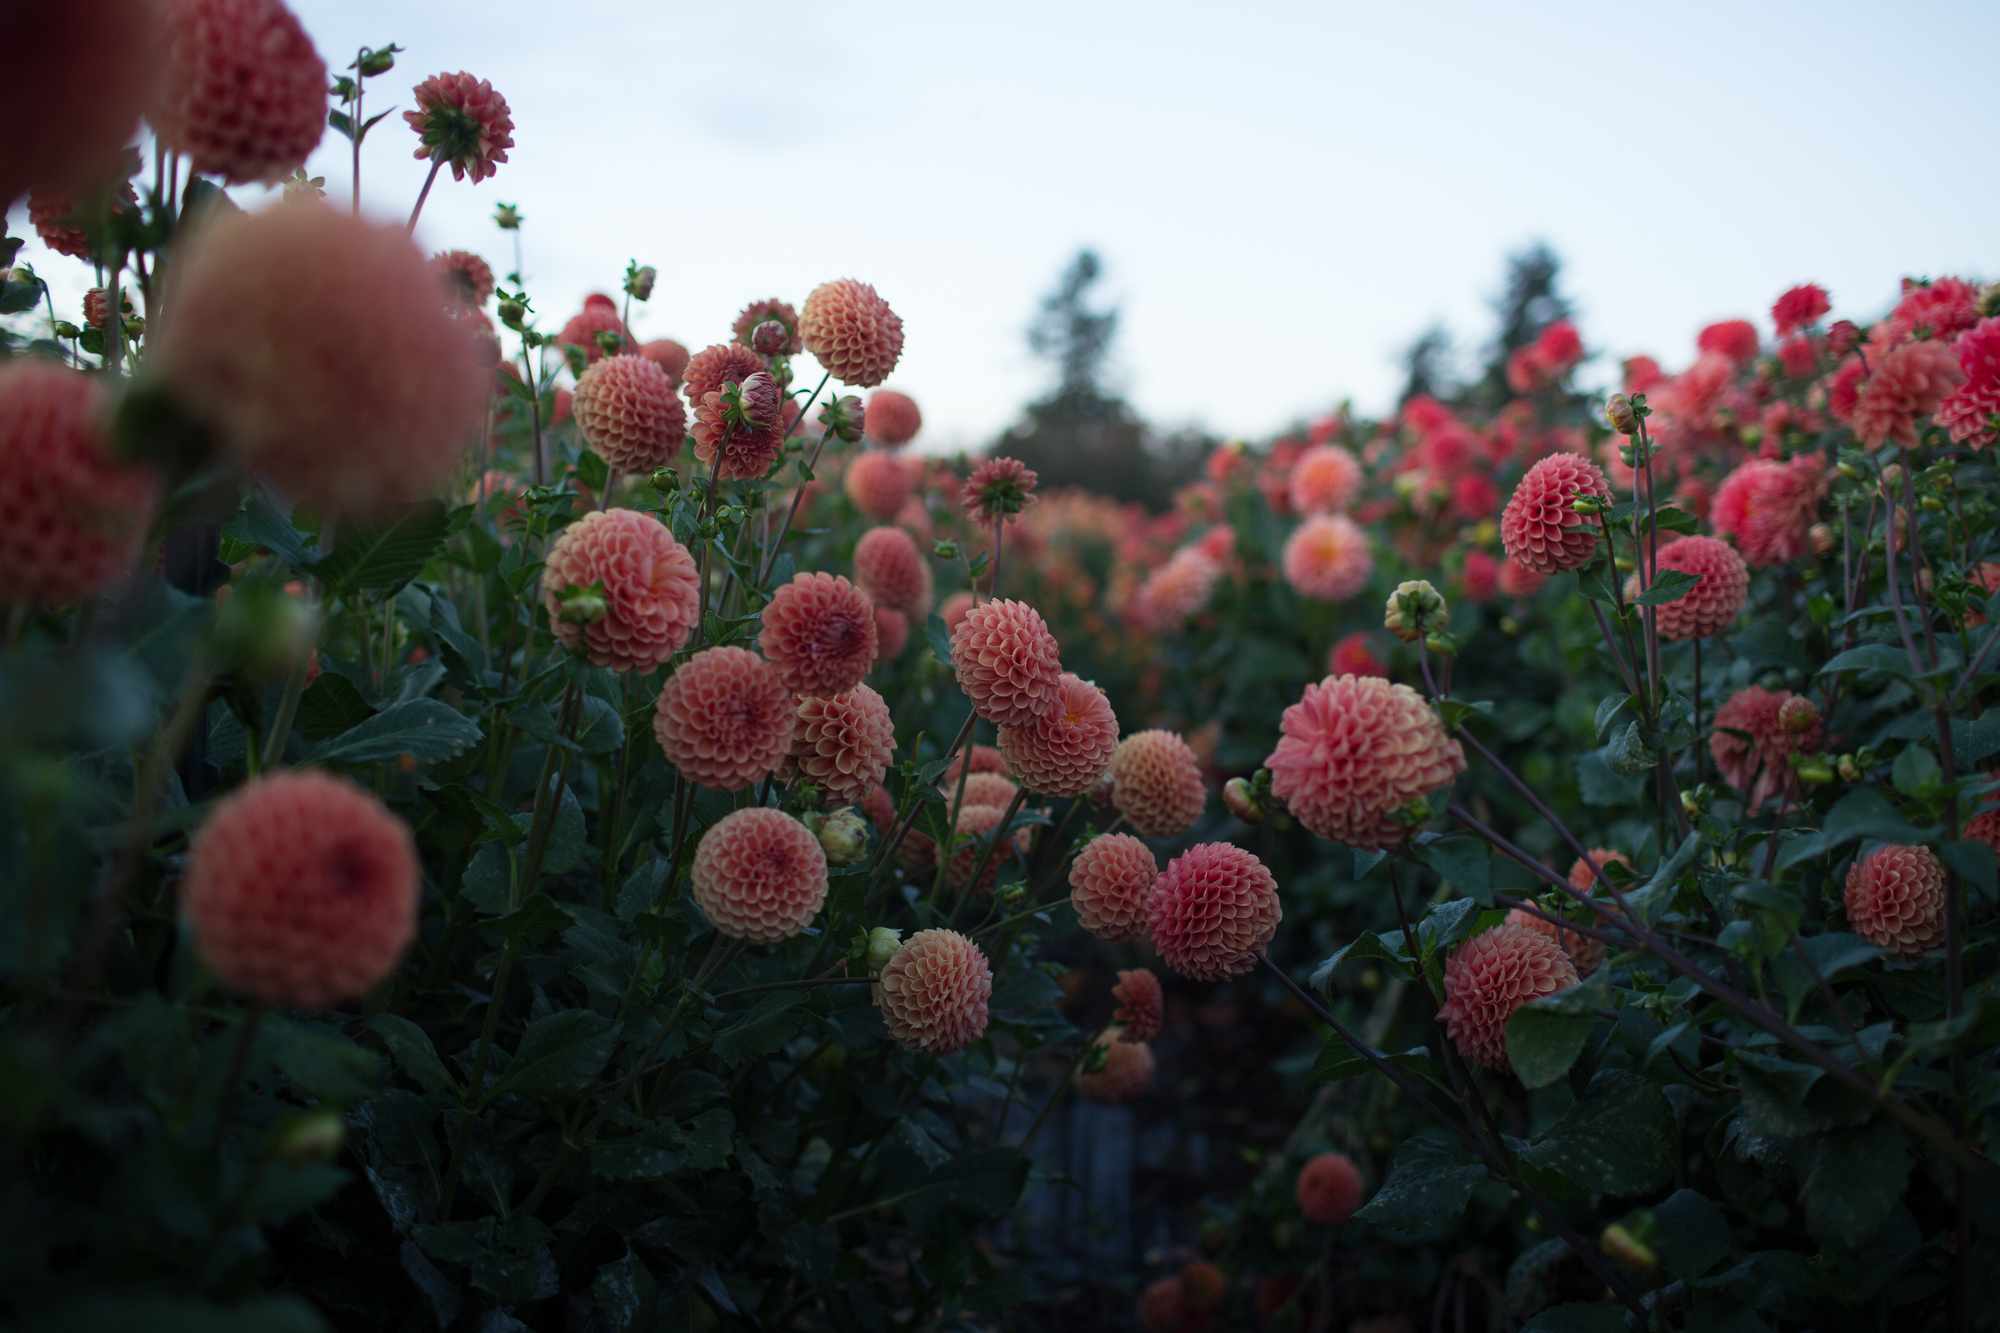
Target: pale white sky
[(1284, 195)]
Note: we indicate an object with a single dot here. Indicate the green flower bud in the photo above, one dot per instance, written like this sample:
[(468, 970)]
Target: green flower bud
[(1628, 1249), (1618, 411), (843, 836), (882, 945), (1413, 609), (507, 217), (583, 604), (1242, 801), (316, 1137)]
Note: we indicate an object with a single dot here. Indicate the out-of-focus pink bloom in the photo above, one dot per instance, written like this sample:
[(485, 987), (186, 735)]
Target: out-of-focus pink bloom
[(1732, 339), (1908, 383), (1769, 508), (1972, 411), (1799, 307)]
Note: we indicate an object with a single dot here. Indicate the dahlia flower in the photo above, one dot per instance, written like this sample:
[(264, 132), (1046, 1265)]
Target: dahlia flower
[(302, 890), (467, 279), (1066, 753), (1110, 881), (851, 332), (460, 120), (1896, 899), (843, 742), (71, 515), (1355, 752), (1759, 767), (892, 571), (77, 79), (1490, 976), (983, 759), (933, 993), (771, 311), (1007, 663), (974, 824), (241, 90), (1801, 306), (997, 490), (736, 449), (1769, 508), (669, 356), (893, 419), (1585, 954), (1141, 1004), (1327, 558), (724, 719), (1711, 605), (1352, 656), (712, 367), (1126, 1074), (1156, 783), (628, 412), (1213, 911), (1971, 412), (877, 484), (651, 595), (1330, 1189), (1539, 528), (1326, 479), (759, 875), (1909, 382), (1733, 339), (819, 631)]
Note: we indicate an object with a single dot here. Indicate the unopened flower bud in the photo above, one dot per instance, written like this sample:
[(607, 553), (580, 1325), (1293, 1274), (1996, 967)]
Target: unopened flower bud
[(263, 630), (843, 417), (373, 63), (1625, 564), (1618, 411), (610, 342), (770, 338), (666, 479), (757, 399), (1847, 469), (1841, 337), (1823, 539), (1100, 795), (640, 284), (1816, 772), (843, 836), (1925, 581), (1413, 608), (316, 1137), (507, 217), (512, 313), (1849, 770), (1442, 644), (1930, 503), (1587, 505), (1628, 1249), (1798, 715), (882, 945), (1095, 1057), (945, 550), (584, 604), (1242, 801)]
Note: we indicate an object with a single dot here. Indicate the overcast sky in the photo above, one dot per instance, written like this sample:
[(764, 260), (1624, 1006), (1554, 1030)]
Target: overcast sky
[(1285, 196)]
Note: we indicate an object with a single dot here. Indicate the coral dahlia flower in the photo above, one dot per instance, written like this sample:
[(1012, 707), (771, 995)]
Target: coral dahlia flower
[(842, 743), (1896, 899), (1213, 911), (1156, 783), (241, 90), (1325, 480), (1971, 412), (893, 419), (1066, 753), (851, 332), (1354, 753), (461, 121), (1711, 605), (819, 631), (650, 600), (1540, 529), (759, 875), (1327, 558), (1759, 766), (1769, 508), (1007, 663), (1909, 382), (892, 571), (1489, 977), (934, 991), (628, 412), (1330, 1189), (1141, 1004), (1126, 1074), (1110, 881), (724, 719)]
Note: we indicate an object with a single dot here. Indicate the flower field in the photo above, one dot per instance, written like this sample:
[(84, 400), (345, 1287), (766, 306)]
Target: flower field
[(512, 826)]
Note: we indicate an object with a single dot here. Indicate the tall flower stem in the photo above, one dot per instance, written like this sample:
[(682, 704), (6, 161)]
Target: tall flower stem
[(425, 193), (778, 542)]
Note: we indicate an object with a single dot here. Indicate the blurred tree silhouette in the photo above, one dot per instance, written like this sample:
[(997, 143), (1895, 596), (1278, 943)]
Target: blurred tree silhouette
[(1083, 433), (1429, 363), (1529, 304)]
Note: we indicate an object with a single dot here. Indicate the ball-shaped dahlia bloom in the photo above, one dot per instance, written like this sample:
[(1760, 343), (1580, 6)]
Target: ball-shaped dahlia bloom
[(1538, 527), (1583, 878), (842, 743), (1109, 883), (1213, 911), (1007, 663), (713, 367), (1971, 412), (1985, 827), (1769, 508), (1800, 306), (1177, 589), (1126, 1073), (467, 279), (955, 609), (1732, 339), (1330, 1189), (1585, 954), (981, 789), (302, 890), (241, 90), (819, 631), (628, 412), (1712, 605), (933, 993), (651, 590), (1489, 977), (851, 332), (877, 483), (1354, 752), (892, 634), (1896, 899), (71, 515), (724, 719), (759, 875), (1760, 766), (974, 824), (892, 571), (1908, 382), (56, 216), (998, 490), (77, 78), (369, 403), (1141, 1004), (893, 419), (737, 449), (1325, 480), (1156, 783), (770, 311), (1327, 558), (462, 121), (983, 758), (669, 356), (583, 327), (1066, 753)]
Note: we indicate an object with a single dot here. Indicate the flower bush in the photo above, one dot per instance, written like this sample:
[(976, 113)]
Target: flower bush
[(473, 863)]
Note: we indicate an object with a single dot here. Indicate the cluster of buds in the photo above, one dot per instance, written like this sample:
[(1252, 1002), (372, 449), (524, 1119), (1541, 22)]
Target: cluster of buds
[(843, 418)]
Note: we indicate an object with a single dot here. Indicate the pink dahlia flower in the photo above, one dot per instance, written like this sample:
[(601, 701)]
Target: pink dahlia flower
[(651, 596), (933, 993), (1325, 480), (628, 412), (759, 875), (1330, 1189), (1769, 508), (1488, 978), (725, 719), (1327, 558), (1539, 528), (1156, 783), (819, 631), (1759, 767), (1713, 604), (1800, 307), (1109, 883), (1141, 1004), (892, 571), (893, 419), (851, 332), (460, 120), (1355, 752), (241, 90), (1971, 412), (843, 743), (1213, 911), (1126, 1074), (1909, 382), (877, 484), (1896, 899), (1007, 663), (1066, 753)]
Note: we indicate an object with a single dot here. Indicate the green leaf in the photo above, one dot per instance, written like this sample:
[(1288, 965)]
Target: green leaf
[(1974, 860), (330, 706), (1620, 1139), (592, 471), (1915, 770), (777, 1017), (1546, 1035), (383, 553), (1598, 785), (425, 729), (559, 1056), (1768, 643), (1862, 813), (1369, 945), (1464, 862), (632, 1160), (411, 1047), (1976, 740), (1627, 756), (939, 637), (1870, 657), (325, 1063), (707, 1139), (1338, 1060), (599, 730), (1607, 708), (1783, 1098), (267, 521), (1030, 988), (1856, 1179), (1670, 586), (1428, 1185), (538, 919), (1692, 1234), (625, 1293)]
